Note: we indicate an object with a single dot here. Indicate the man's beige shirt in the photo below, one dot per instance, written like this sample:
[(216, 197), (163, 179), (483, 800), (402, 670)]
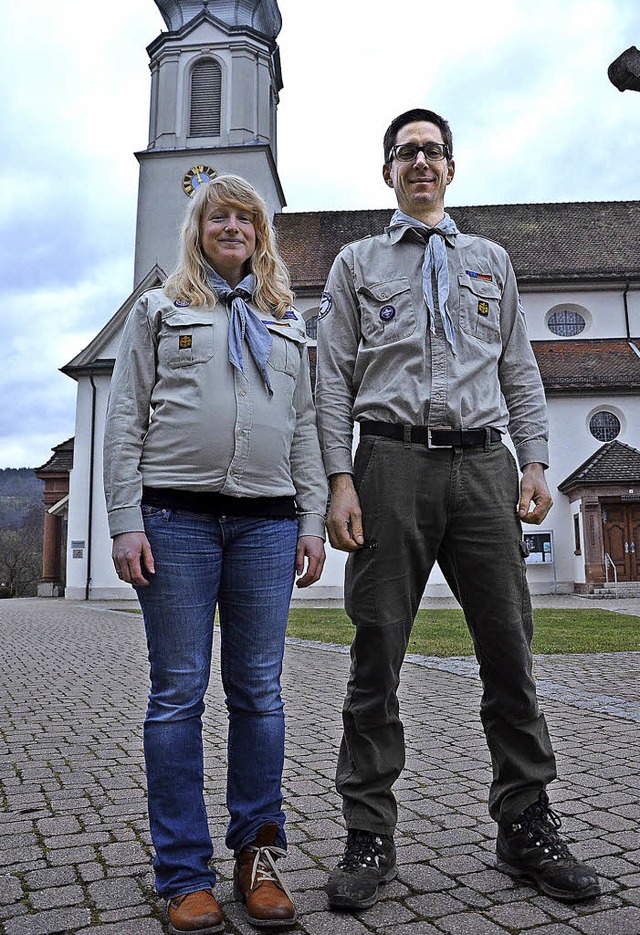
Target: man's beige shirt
[(378, 360)]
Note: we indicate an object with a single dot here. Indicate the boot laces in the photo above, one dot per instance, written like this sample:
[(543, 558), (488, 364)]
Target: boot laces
[(264, 869), (541, 823), (362, 850)]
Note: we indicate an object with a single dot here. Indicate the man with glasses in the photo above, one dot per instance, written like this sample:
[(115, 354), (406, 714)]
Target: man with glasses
[(422, 341)]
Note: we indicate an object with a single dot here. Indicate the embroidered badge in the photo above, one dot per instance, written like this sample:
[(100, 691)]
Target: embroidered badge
[(185, 341), (181, 303), (483, 309), (485, 277), (326, 304), (387, 312), (290, 314)]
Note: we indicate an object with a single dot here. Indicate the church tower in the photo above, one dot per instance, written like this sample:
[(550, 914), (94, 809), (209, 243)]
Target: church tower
[(215, 81)]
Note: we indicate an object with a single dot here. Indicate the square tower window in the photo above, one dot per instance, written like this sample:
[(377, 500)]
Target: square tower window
[(206, 99)]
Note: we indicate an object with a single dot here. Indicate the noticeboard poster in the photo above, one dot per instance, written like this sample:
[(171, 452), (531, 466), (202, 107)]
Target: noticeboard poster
[(540, 545)]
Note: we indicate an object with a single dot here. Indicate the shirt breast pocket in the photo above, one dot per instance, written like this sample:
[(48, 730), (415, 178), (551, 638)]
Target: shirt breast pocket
[(387, 313), (286, 351), (480, 308), (186, 339)]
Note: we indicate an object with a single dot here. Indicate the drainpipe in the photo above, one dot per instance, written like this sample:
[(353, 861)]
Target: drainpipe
[(626, 309), (87, 586)]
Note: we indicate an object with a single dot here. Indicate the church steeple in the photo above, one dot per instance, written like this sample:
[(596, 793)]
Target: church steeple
[(215, 82), (261, 15)]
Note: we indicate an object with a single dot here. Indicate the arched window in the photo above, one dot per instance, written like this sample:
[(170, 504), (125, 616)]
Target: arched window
[(206, 99), (311, 326), (566, 323), (604, 425)]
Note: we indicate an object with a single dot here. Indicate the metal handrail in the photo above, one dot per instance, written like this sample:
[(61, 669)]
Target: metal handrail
[(609, 561)]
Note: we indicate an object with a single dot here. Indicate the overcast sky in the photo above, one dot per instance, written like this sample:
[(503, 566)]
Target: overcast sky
[(523, 83)]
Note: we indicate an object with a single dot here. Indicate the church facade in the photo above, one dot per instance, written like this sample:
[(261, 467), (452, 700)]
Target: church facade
[(215, 81)]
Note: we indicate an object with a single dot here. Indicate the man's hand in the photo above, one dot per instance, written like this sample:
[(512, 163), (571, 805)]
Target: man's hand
[(533, 487), (344, 520), (132, 558), (310, 548)]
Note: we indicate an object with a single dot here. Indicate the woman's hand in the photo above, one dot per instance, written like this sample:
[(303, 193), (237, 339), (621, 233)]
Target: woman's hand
[(310, 548), (132, 558)]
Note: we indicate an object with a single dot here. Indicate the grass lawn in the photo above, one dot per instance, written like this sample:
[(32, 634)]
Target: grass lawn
[(444, 633)]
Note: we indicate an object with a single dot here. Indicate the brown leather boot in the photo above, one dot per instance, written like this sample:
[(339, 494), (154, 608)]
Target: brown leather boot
[(197, 913), (257, 882)]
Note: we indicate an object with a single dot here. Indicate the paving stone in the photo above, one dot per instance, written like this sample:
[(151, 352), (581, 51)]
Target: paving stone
[(137, 927), (466, 923), (10, 889), (611, 922), (108, 894), (517, 915), (53, 922), (54, 896)]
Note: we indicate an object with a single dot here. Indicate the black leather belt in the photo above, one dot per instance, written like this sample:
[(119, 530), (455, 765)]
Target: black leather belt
[(432, 437)]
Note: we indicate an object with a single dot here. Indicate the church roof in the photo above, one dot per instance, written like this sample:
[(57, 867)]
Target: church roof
[(562, 242), (614, 461), (578, 365), (60, 462)]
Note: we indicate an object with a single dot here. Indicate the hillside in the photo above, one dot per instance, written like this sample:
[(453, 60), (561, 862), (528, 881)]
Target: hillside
[(20, 490)]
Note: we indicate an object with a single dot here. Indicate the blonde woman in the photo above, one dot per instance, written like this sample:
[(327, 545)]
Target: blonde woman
[(216, 498)]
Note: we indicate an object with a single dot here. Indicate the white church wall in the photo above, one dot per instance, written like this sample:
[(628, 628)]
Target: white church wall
[(633, 305), (604, 312), (89, 566)]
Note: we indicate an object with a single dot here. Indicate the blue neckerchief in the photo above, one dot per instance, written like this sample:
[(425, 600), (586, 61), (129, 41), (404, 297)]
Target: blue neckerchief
[(244, 325), (435, 262)]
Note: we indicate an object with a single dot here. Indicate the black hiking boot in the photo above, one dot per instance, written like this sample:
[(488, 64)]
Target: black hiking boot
[(532, 850), (369, 860)]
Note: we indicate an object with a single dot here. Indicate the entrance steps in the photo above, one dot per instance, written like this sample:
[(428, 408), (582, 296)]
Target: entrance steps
[(608, 591)]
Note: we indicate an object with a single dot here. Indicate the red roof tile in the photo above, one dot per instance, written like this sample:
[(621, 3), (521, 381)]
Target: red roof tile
[(546, 242), (615, 462), (598, 364)]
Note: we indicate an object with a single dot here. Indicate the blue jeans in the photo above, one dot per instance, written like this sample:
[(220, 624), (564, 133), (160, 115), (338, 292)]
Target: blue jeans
[(245, 566)]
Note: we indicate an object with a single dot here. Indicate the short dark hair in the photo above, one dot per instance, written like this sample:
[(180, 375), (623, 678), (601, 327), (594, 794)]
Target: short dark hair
[(411, 116)]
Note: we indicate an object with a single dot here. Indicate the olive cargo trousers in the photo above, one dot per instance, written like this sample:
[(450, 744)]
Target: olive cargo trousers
[(456, 506)]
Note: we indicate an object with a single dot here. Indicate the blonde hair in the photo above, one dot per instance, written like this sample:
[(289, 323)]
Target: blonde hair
[(189, 281)]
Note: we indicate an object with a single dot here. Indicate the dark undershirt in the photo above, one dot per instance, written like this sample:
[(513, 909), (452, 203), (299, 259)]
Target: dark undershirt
[(218, 504)]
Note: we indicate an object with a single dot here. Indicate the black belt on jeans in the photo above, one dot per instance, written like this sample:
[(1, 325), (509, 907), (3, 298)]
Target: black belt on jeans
[(432, 437)]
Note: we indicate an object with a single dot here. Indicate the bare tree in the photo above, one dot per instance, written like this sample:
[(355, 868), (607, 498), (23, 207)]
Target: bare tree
[(21, 556)]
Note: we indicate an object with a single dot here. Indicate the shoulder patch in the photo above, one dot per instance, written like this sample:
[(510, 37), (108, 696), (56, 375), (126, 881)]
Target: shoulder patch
[(289, 315), (326, 304), (181, 303)]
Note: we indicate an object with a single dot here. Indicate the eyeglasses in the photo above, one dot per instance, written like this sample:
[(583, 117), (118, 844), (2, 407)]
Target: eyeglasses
[(408, 152)]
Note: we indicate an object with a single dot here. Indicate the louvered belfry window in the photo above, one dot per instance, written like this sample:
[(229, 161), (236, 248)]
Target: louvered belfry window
[(206, 99)]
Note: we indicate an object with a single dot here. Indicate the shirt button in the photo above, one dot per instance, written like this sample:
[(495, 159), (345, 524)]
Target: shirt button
[(242, 393)]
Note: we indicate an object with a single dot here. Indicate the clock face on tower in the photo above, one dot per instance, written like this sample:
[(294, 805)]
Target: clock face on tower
[(197, 175)]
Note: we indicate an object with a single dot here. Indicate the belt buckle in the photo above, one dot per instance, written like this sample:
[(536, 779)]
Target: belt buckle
[(436, 428)]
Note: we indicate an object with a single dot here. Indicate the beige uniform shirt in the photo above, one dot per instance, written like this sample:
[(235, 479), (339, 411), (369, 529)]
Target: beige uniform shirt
[(378, 360), (181, 416)]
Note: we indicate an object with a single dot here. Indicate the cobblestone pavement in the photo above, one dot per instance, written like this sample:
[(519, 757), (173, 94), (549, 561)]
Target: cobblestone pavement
[(74, 844)]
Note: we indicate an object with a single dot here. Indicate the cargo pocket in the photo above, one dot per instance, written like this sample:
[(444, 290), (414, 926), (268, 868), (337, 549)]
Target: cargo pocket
[(386, 311), (480, 308)]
